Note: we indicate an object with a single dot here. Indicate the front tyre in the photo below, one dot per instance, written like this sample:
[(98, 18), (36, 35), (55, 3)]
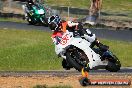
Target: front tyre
[(76, 58), (66, 65), (113, 66), (30, 21)]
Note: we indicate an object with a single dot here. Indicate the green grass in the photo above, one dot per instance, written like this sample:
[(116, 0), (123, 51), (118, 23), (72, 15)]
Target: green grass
[(123, 50), (107, 4), (45, 86), (33, 50), (13, 20), (27, 50), (71, 3)]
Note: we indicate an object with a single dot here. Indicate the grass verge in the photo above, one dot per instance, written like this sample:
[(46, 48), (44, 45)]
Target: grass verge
[(33, 50), (45, 86), (109, 5), (27, 50), (122, 50), (121, 8), (13, 20)]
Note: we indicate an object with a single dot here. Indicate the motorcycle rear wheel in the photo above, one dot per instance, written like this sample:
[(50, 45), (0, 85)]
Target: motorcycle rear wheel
[(114, 66)]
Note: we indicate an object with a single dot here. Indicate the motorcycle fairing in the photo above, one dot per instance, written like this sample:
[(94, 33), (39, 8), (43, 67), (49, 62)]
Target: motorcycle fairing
[(80, 43)]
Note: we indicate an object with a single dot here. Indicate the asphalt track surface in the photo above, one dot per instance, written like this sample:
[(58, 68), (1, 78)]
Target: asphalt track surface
[(62, 73), (123, 35), (101, 33)]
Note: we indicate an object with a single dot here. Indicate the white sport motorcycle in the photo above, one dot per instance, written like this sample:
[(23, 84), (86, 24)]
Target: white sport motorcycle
[(76, 52)]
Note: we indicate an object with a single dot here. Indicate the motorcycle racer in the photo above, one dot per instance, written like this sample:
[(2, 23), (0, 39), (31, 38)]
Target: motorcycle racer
[(28, 6), (59, 27), (30, 3), (35, 13)]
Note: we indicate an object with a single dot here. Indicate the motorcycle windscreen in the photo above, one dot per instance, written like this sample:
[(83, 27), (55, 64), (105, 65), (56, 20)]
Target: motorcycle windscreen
[(41, 11)]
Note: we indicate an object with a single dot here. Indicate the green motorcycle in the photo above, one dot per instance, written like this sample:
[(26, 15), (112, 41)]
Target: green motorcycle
[(36, 14)]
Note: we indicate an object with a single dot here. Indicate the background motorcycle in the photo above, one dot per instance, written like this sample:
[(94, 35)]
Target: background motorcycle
[(76, 52), (36, 14)]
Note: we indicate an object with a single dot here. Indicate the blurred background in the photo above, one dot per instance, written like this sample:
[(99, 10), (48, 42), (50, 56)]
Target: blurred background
[(116, 14)]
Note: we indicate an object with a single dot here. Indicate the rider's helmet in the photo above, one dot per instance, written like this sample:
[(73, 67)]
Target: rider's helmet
[(54, 22), (30, 2)]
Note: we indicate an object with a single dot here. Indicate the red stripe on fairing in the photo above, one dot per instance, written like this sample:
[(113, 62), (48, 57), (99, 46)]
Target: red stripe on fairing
[(59, 34)]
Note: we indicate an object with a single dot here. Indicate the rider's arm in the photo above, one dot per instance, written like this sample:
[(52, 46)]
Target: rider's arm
[(71, 24), (74, 26)]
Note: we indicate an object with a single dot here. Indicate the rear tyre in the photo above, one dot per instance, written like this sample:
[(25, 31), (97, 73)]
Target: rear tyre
[(114, 66)]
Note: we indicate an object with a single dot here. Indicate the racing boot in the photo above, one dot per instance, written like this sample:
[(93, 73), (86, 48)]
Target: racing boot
[(103, 48), (84, 81), (85, 71)]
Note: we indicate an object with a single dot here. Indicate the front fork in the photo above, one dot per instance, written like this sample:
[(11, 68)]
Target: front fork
[(42, 20)]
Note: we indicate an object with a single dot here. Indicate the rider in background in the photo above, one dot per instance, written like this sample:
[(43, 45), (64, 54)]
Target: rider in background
[(29, 4), (27, 7)]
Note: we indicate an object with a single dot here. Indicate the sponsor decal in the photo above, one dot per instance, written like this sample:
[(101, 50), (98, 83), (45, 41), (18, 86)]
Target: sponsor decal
[(64, 40), (111, 82)]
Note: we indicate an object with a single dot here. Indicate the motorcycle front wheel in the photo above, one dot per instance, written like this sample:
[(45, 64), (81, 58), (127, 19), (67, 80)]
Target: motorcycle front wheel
[(31, 21), (77, 58)]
